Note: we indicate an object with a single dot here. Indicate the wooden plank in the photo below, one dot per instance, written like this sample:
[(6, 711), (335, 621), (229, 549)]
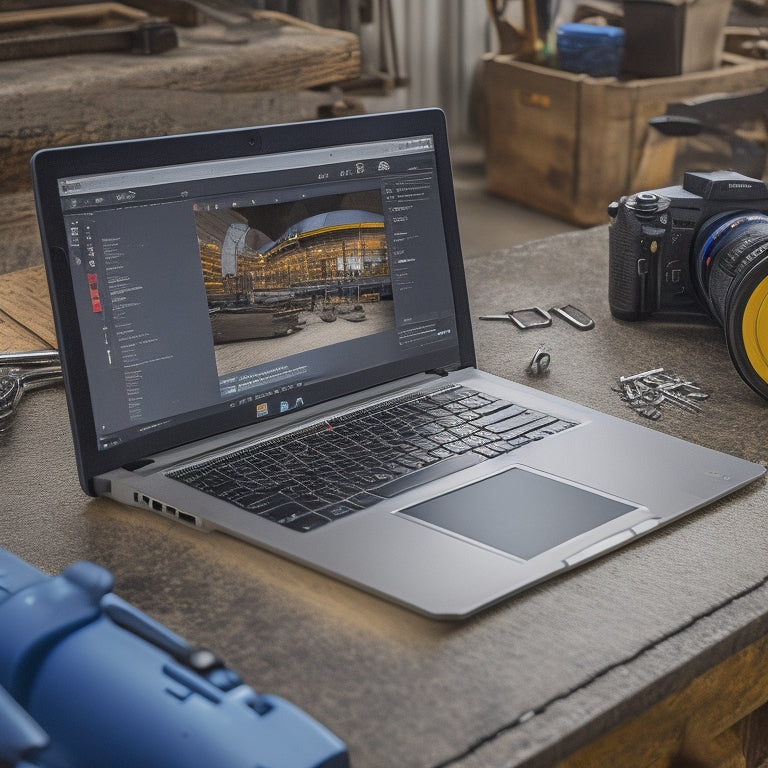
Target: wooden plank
[(268, 52), (697, 725), (24, 301), (16, 338), (183, 12), (75, 13), (96, 27), (152, 37)]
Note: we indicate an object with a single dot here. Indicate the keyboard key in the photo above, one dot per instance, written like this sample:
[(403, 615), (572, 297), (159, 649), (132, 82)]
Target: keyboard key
[(284, 511), (427, 475), (519, 420), (529, 428), (306, 523), (499, 415)]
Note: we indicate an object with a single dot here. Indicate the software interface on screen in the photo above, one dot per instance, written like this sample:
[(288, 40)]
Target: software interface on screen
[(244, 283)]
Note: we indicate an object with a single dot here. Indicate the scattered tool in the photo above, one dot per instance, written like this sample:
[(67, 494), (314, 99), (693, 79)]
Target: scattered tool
[(574, 316), (21, 372), (536, 317), (540, 361), (648, 391), (524, 318), (86, 28)]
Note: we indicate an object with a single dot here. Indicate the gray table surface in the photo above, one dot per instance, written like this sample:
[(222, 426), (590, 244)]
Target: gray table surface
[(523, 683)]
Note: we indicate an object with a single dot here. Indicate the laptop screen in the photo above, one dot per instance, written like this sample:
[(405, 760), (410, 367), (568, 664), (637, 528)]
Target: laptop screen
[(248, 287)]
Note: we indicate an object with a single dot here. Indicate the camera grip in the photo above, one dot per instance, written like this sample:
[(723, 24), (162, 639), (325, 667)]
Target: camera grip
[(628, 268)]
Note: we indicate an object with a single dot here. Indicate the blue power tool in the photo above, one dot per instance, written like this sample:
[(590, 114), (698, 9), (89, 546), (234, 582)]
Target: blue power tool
[(89, 681)]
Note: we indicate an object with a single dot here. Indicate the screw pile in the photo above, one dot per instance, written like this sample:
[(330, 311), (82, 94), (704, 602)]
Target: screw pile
[(648, 391)]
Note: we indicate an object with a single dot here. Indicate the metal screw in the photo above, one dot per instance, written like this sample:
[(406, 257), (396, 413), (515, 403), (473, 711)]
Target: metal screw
[(646, 392), (634, 377)]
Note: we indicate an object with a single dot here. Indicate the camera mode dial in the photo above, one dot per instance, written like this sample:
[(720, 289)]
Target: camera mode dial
[(647, 204)]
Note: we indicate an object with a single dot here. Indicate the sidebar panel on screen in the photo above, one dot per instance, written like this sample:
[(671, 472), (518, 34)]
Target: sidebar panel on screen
[(143, 314)]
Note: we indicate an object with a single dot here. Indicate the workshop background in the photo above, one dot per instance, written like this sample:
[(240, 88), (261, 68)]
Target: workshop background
[(543, 139)]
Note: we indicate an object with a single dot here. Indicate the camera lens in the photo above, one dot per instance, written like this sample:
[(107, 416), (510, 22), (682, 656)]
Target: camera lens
[(732, 276)]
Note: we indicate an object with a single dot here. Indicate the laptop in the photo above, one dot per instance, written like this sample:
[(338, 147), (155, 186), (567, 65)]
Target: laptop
[(266, 332)]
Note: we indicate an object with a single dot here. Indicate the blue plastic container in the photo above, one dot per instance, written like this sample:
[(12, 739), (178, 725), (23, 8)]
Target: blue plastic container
[(590, 49)]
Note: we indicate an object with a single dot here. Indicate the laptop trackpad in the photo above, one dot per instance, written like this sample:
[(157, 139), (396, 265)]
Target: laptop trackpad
[(519, 511)]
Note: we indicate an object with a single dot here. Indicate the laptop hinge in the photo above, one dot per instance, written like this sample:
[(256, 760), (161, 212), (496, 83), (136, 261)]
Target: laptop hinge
[(132, 466), (443, 370), (102, 486)]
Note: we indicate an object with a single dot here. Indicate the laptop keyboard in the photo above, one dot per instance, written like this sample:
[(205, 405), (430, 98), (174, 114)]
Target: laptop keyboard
[(306, 479)]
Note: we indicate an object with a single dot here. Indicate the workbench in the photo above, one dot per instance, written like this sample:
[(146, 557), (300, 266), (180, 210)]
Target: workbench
[(649, 656)]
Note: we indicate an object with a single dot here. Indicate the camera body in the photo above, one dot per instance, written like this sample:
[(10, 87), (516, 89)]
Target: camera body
[(87, 681), (653, 240), (699, 249)]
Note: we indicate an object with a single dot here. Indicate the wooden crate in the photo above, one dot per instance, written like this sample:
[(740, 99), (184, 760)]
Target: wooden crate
[(569, 144)]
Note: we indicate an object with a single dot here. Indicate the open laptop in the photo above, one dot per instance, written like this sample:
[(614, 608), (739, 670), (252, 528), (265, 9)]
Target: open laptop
[(294, 295)]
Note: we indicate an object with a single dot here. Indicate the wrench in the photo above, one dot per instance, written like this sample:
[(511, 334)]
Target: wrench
[(14, 382), (32, 358)]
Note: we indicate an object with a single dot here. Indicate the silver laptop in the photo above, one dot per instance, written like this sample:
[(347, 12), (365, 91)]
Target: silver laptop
[(266, 332)]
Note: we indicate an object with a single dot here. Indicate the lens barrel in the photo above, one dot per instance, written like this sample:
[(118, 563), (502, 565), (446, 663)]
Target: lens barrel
[(732, 276)]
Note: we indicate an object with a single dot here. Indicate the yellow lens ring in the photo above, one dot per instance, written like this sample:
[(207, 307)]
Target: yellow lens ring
[(754, 329)]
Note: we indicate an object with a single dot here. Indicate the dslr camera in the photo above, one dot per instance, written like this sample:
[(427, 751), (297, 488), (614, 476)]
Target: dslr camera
[(700, 249)]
